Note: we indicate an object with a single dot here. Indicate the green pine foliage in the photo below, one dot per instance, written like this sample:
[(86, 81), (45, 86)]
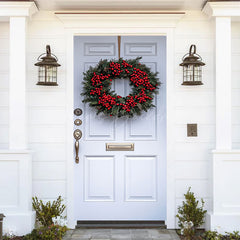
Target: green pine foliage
[(103, 67), (45, 212), (191, 211)]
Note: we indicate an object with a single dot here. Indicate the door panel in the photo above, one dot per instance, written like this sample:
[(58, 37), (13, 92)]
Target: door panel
[(136, 131), (98, 127), (141, 179), (121, 185), (99, 49), (99, 186), (140, 49)]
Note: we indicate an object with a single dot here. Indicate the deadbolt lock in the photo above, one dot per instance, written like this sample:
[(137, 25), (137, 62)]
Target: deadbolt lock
[(78, 112), (78, 122)]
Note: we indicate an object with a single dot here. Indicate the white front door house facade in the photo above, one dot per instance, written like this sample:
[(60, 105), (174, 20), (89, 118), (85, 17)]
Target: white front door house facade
[(37, 156)]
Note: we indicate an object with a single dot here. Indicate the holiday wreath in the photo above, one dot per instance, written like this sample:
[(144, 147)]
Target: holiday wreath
[(97, 87)]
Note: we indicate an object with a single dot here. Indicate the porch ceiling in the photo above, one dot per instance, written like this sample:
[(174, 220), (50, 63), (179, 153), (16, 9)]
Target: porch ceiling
[(108, 5)]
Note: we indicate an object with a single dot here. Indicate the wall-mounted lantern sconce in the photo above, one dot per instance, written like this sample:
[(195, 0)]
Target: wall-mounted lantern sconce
[(47, 68), (192, 68)]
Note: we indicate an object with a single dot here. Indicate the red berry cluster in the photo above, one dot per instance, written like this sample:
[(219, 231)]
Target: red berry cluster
[(96, 91), (125, 64), (107, 101), (140, 78), (143, 97), (116, 68), (130, 103), (97, 79)]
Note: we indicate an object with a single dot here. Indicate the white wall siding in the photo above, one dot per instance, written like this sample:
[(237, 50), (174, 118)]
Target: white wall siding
[(47, 109), (194, 105)]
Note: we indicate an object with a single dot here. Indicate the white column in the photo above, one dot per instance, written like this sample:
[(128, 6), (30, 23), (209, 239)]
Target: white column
[(225, 214), (17, 84), (223, 84), (16, 162)]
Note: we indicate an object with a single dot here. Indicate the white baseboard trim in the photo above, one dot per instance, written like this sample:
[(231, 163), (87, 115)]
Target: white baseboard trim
[(223, 222), (19, 223)]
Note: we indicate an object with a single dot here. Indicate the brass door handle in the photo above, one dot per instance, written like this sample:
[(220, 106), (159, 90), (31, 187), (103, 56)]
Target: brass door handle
[(77, 151), (77, 135)]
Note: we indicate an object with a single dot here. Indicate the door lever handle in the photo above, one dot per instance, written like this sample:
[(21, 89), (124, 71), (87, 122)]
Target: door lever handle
[(77, 151), (77, 135)]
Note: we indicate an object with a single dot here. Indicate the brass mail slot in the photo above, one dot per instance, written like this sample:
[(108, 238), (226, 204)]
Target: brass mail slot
[(119, 146)]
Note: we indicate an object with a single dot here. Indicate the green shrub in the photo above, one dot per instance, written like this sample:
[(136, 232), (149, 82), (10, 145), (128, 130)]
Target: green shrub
[(233, 236), (53, 232), (32, 236), (212, 235), (190, 215), (45, 212)]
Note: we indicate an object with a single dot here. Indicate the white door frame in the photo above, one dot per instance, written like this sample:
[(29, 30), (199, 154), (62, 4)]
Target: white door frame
[(161, 24)]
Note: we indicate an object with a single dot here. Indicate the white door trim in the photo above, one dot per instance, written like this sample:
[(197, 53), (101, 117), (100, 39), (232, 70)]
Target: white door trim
[(101, 28)]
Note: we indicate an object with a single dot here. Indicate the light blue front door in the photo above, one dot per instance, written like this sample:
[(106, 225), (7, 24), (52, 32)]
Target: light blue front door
[(121, 185)]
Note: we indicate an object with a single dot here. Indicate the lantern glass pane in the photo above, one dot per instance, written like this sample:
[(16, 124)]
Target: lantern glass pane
[(49, 73), (41, 73), (54, 72), (188, 73), (197, 73)]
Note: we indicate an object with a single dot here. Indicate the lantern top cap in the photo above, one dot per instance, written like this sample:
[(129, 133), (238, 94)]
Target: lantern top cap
[(192, 58), (47, 59), (1, 216)]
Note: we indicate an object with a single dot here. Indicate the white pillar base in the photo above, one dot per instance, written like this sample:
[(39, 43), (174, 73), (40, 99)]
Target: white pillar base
[(223, 223), (225, 215), (19, 223), (16, 191)]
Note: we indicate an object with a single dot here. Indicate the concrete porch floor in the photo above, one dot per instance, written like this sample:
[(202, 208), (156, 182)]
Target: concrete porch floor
[(121, 234)]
